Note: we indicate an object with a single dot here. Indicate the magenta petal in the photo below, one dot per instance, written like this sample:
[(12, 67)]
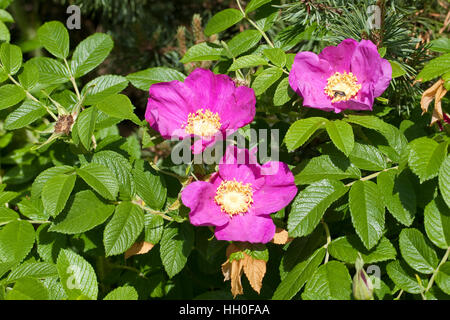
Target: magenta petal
[(247, 228), (199, 197), (339, 56), (240, 112), (278, 191), (308, 78)]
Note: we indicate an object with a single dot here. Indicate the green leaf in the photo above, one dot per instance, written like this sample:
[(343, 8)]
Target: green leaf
[(276, 56), (77, 276), (33, 210), (248, 61), (29, 76), (100, 179), (255, 4), (5, 16), (145, 78), (298, 276), (367, 212), (86, 126), (84, 212), (204, 51), (119, 106), (443, 277), (435, 68), (4, 33), (367, 157), (28, 289), (176, 245), (90, 53), (54, 37), (323, 167), (330, 282), (51, 71), (437, 222), (44, 176), (11, 58), (301, 130), (243, 42), (444, 180), (398, 195), (121, 170), (7, 215), (266, 79), (426, 157), (283, 93), (417, 252), (150, 187), (122, 293), (154, 227), (397, 69), (10, 95), (403, 276), (341, 133), (103, 87), (16, 241), (222, 21), (49, 243), (56, 192), (440, 45), (310, 205), (38, 270), (347, 248), (123, 229)]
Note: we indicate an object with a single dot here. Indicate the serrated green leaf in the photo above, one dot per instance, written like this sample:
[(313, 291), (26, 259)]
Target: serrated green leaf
[(248, 61), (38, 270), (398, 195), (11, 58), (28, 289), (437, 222), (4, 32), (145, 78), (444, 180), (443, 277), (154, 227), (29, 76), (10, 95), (151, 187), (331, 281), (440, 45), (118, 106), (276, 56), (435, 68), (123, 229), (417, 252), (426, 157), (283, 93), (84, 212), (298, 276), (86, 126), (255, 4), (397, 69), (325, 167), (310, 205), (51, 71), (347, 248), (367, 212), (204, 51), (90, 53), (243, 42), (49, 243), (44, 176), (5, 16), (176, 244), (103, 87), (122, 293), (301, 130), (341, 133), (222, 21), (56, 192), (266, 79), (54, 37), (403, 276), (100, 179), (7, 215), (16, 241), (77, 276), (367, 157)]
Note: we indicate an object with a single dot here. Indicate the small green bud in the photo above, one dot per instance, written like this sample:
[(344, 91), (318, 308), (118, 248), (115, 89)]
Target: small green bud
[(362, 284)]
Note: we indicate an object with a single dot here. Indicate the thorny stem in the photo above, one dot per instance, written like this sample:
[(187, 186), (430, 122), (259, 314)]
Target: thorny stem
[(255, 25), (444, 259), (327, 231)]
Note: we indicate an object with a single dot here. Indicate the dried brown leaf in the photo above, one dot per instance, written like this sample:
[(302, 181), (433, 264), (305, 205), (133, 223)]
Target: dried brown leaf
[(254, 271), (281, 236), (429, 95), (139, 248)]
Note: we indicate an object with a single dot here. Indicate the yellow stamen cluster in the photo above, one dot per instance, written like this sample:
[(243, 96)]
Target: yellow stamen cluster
[(342, 86), (234, 197), (203, 123)]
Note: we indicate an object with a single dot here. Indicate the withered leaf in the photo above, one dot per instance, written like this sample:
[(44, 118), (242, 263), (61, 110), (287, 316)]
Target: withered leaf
[(139, 248), (281, 236)]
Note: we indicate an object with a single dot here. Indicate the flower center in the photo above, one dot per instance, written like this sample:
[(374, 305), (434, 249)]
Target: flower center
[(342, 86), (203, 123), (233, 197)]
